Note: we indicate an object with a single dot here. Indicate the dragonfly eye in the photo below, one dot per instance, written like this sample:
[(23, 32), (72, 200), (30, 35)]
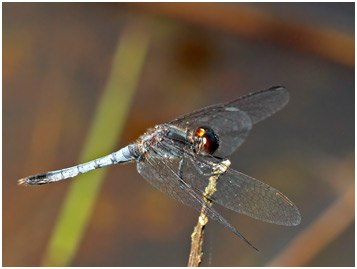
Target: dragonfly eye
[(209, 140)]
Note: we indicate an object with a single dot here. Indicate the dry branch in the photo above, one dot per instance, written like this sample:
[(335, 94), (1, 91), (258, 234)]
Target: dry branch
[(197, 235)]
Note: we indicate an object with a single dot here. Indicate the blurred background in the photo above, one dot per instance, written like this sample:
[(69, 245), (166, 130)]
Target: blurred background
[(66, 63)]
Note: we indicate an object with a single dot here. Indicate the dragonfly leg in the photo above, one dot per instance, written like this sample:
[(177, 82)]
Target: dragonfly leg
[(180, 173)]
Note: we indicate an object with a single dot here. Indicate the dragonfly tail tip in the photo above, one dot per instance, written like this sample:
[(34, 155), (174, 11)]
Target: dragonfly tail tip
[(22, 181)]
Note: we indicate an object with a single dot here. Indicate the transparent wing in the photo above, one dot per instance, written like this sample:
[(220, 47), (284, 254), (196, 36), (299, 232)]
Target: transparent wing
[(163, 175), (242, 193), (262, 104), (232, 121)]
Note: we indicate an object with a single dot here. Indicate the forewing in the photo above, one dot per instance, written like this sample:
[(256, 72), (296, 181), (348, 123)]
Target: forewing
[(232, 121), (242, 193), (262, 104)]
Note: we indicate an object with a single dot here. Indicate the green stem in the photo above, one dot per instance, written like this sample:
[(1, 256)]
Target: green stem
[(107, 126)]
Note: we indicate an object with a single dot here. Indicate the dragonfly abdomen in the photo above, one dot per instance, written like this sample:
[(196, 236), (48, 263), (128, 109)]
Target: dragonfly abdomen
[(125, 154)]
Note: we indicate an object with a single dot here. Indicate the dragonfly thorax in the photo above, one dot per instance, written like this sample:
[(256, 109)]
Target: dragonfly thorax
[(152, 137)]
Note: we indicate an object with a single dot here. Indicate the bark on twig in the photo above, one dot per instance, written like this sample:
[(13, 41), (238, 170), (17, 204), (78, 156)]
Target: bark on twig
[(197, 236)]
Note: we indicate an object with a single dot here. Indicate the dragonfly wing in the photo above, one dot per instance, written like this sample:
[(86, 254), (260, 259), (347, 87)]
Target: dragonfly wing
[(232, 121), (163, 175), (262, 104), (242, 193)]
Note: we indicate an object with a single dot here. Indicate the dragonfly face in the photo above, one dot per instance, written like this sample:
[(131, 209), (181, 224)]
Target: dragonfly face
[(208, 140)]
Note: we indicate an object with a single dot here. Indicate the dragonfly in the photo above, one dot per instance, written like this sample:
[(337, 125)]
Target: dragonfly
[(180, 156)]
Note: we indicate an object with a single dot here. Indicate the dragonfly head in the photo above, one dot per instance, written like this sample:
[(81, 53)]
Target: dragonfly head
[(208, 141)]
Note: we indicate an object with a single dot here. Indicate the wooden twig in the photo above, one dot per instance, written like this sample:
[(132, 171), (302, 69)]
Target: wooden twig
[(197, 236)]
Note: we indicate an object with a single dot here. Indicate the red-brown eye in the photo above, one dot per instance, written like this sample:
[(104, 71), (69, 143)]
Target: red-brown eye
[(209, 140)]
